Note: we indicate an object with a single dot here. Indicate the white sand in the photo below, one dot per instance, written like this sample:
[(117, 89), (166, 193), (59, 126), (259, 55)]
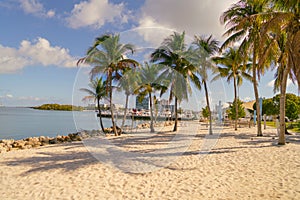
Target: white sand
[(240, 166)]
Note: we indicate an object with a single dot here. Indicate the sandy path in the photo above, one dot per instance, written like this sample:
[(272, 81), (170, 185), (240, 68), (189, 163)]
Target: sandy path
[(240, 166)]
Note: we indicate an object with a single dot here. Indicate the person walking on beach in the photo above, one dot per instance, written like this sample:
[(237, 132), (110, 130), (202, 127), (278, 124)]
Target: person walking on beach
[(277, 125)]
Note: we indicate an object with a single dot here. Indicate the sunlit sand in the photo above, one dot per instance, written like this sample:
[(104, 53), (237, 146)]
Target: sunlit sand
[(238, 166)]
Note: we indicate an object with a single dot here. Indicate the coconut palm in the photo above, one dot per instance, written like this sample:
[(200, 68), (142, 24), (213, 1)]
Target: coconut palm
[(96, 92), (149, 84), (283, 24), (201, 50), (233, 68), (128, 83), (108, 57), (244, 22), (178, 70)]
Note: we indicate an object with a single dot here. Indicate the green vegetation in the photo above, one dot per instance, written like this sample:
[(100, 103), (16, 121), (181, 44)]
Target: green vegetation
[(58, 107), (178, 71), (201, 50), (107, 57), (205, 112), (233, 69), (271, 106), (96, 92), (291, 126), (148, 84), (128, 83), (270, 123), (232, 110), (268, 34)]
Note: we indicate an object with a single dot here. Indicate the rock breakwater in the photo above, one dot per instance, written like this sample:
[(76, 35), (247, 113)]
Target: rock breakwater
[(32, 142)]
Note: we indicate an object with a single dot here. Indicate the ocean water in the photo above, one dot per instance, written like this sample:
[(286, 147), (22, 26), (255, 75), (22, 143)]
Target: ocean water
[(19, 123)]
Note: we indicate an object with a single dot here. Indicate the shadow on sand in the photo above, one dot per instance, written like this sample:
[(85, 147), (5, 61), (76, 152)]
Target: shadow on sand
[(70, 159)]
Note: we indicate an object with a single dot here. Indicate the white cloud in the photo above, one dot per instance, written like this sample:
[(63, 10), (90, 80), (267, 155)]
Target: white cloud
[(36, 8), (193, 16), (152, 31), (9, 96), (11, 61), (50, 13), (95, 13), (271, 83), (39, 52), (31, 98), (246, 99)]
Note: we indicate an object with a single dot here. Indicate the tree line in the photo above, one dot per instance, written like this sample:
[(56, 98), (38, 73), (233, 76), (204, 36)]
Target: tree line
[(268, 36), (270, 106), (58, 107)]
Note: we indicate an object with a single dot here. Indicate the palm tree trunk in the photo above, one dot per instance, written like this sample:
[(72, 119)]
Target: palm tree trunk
[(125, 111), (281, 139), (111, 108), (100, 117), (151, 114), (132, 121), (208, 107), (254, 80), (236, 104), (176, 115)]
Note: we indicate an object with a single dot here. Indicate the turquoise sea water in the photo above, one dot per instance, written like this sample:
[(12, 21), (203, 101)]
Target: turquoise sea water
[(19, 123)]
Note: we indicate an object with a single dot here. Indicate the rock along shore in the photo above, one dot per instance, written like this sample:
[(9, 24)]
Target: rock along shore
[(32, 142)]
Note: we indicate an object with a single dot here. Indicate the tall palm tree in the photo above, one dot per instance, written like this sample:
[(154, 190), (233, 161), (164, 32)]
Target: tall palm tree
[(200, 52), (129, 83), (179, 71), (233, 68), (96, 92), (149, 84), (244, 23), (283, 23), (108, 57)]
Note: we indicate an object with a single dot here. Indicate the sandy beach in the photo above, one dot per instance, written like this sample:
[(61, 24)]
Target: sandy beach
[(235, 165)]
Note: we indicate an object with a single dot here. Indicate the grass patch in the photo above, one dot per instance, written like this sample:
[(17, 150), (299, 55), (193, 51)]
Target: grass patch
[(291, 126), (270, 123)]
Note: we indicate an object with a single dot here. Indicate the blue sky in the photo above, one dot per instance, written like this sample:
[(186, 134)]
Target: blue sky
[(41, 40)]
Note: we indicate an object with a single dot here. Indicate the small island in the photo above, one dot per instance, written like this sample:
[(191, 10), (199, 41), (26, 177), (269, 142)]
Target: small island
[(58, 107)]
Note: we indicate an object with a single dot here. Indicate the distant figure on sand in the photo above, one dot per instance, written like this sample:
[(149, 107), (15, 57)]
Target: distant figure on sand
[(278, 127)]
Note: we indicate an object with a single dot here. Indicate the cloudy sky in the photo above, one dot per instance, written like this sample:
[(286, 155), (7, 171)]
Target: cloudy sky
[(41, 41)]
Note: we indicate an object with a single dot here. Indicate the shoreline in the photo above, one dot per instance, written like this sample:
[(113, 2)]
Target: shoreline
[(7, 145)]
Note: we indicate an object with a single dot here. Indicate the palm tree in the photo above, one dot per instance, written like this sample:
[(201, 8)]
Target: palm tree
[(283, 24), (203, 48), (233, 68), (244, 24), (179, 71), (129, 83), (96, 92), (108, 57), (148, 84)]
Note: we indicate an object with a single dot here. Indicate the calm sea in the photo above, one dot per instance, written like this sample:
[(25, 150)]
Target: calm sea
[(19, 123)]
